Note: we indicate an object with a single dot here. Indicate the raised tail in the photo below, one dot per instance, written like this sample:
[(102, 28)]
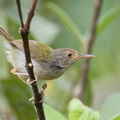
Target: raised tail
[(5, 34)]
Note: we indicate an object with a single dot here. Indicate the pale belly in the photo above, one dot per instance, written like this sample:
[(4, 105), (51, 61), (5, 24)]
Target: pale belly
[(43, 72)]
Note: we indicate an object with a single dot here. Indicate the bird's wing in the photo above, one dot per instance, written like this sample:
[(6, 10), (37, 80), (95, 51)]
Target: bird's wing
[(39, 52)]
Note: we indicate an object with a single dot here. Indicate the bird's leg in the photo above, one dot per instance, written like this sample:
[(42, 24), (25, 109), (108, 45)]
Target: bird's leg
[(14, 71), (20, 75), (21, 78), (41, 92), (28, 81)]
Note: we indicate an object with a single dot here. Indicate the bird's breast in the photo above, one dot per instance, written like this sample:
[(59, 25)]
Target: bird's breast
[(47, 71)]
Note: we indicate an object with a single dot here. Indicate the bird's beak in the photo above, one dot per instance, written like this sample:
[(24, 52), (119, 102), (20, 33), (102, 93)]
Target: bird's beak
[(86, 56), (81, 56)]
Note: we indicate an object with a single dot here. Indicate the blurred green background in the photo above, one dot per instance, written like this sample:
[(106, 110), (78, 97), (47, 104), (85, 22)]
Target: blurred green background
[(104, 71)]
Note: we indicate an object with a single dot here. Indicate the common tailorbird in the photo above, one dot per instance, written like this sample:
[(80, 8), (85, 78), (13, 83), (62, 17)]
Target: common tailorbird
[(48, 63)]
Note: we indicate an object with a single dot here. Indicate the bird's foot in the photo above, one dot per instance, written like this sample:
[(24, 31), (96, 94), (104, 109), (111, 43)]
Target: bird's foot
[(28, 81), (20, 75)]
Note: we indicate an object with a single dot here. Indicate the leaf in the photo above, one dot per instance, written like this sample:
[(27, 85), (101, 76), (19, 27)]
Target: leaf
[(111, 107), (107, 18), (65, 19), (78, 111), (89, 115), (117, 118), (52, 114), (17, 95), (76, 108)]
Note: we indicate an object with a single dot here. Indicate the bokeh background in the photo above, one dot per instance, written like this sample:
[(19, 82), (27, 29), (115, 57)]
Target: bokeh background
[(104, 73)]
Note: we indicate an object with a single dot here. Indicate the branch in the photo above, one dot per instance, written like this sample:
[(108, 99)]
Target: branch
[(79, 90), (24, 30)]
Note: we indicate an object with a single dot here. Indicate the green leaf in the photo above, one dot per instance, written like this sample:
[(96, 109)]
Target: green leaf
[(111, 107), (76, 108), (117, 118), (107, 18), (78, 111), (17, 95), (52, 114), (65, 19), (89, 115)]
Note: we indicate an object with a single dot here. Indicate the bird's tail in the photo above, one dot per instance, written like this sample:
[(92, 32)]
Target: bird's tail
[(5, 34)]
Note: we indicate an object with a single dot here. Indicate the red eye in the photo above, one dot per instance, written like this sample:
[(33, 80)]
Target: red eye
[(69, 55)]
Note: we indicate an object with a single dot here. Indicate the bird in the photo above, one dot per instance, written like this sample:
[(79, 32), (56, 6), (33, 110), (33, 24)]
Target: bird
[(48, 63)]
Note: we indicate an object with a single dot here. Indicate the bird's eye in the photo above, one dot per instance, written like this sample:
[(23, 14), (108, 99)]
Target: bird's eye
[(69, 55)]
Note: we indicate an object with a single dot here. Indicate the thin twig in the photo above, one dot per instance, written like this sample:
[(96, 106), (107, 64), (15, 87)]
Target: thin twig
[(79, 90), (24, 30), (20, 13)]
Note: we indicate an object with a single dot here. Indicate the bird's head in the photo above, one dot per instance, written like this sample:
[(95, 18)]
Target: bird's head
[(65, 57)]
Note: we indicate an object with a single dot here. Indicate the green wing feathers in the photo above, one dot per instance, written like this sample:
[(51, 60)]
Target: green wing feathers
[(5, 34), (38, 51)]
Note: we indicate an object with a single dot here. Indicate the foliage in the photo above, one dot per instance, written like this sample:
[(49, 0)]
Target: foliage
[(52, 114), (78, 111)]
